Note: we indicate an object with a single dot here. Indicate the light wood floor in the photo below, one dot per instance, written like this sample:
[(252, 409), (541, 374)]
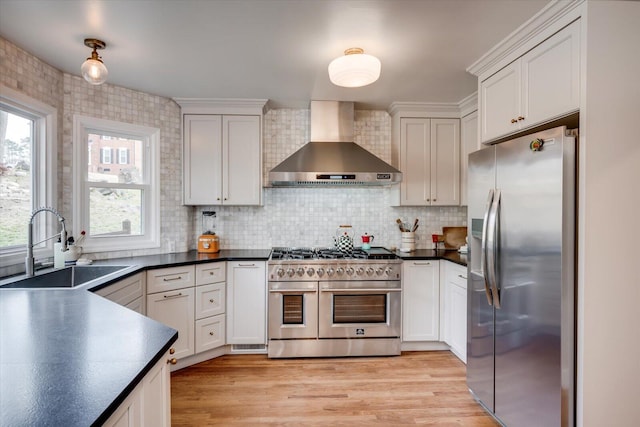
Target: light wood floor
[(415, 388)]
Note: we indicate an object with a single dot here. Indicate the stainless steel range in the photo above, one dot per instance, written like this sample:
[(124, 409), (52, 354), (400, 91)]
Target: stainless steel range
[(325, 303)]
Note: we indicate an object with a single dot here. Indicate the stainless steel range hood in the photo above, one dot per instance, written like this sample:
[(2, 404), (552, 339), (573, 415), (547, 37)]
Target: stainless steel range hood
[(332, 158)]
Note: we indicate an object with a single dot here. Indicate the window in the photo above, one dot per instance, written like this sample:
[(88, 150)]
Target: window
[(27, 173), (105, 155), (116, 206), (123, 156)]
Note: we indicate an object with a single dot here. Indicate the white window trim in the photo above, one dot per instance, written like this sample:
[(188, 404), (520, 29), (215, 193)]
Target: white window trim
[(46, 146), (122, 151), (151, 218), (105, 152)]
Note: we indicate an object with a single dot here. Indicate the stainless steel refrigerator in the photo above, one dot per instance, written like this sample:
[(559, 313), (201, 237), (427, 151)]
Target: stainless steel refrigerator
[(521, 286)]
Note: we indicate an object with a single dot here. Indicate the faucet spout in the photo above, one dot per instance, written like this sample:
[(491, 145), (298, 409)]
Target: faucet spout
[(29, 261)]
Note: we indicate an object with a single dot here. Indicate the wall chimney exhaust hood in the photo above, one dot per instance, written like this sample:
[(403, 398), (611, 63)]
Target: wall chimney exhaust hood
[(332, 158)]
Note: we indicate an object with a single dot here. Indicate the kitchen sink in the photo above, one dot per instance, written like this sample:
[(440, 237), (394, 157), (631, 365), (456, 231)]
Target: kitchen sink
[(68, 277)]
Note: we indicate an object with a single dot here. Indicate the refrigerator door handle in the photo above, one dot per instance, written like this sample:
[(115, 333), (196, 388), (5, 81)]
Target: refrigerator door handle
[(483, 252), (493, 233)]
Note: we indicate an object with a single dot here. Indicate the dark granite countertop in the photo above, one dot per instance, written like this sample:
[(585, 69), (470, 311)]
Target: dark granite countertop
[(421, 254), (69, 357)]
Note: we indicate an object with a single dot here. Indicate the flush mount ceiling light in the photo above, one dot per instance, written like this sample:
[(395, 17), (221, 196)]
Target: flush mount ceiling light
[(354, 69), (93, 69)]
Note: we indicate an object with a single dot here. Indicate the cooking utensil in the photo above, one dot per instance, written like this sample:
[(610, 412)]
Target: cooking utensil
[(344, 238), (415, 225), (366, 241)]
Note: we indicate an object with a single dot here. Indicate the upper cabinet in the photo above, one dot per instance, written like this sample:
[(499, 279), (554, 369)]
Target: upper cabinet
[(427, 151), (469, 144), (222, 151), (541, 85)]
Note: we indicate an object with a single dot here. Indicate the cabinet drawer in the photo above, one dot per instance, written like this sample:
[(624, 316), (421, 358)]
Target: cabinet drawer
[(210, 333), (457, 275), (210, 273), (210, 300), (124, 291), (168, 279)]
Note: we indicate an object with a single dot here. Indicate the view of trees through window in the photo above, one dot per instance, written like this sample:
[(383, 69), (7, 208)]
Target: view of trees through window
[(16, 142)]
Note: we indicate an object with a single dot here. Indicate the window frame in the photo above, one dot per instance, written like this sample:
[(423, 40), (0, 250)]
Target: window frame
[(44, 172), (150, 237)]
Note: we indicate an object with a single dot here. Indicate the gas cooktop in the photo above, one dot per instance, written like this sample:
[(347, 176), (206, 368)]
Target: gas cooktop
[(292, 254)]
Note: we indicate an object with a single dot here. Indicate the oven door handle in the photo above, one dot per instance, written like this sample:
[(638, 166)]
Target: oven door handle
[(358, 290), (293, 291)]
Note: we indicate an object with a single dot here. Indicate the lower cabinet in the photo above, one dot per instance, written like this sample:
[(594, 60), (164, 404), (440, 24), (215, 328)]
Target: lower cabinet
[(246, 302), (129, 292), (455, 307), (176, 309), (210, 333), (421, 300), (149, 404)]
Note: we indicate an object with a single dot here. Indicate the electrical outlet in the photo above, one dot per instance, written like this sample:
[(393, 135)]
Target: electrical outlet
[(209, 213)]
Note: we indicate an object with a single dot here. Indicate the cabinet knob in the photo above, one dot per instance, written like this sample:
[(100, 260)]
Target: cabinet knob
[(218, 198), (172, 361), (512, 121), (428, 200), (435, 200), (172, 350), (520, 118), (225, 198), (211, 300), (211, 333)]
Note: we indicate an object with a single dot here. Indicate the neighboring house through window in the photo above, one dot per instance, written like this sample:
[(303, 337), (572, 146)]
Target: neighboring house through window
[(116, 197)]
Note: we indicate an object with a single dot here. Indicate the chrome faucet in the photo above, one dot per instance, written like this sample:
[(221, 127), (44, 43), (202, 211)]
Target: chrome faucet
[(29, 261)]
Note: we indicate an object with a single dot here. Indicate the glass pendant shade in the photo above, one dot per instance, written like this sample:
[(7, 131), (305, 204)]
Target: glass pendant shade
[(94, 71), (354, 69)]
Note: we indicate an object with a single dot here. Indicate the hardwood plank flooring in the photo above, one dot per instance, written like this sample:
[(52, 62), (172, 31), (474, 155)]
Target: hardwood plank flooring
[(416, 388)]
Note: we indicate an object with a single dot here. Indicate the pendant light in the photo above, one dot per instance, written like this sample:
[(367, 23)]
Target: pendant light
[(93, 69), (354, 69)]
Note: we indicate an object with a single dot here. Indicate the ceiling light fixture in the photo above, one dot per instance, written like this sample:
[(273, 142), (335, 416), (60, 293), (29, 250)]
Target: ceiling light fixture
[(93, 69), (354, 69)]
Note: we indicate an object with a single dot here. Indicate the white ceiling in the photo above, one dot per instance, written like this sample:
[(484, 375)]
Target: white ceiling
[(274, 49)]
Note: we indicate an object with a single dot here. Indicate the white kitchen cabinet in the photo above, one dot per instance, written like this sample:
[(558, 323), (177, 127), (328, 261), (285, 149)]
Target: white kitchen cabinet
[(149, 404), (541, 85), (468, 144), (429, 158), (420, 300), (222, 159), (170, 278), (210, 300), (129, 292), (176, 309), (210, 333), (246, 302), (455, 307)]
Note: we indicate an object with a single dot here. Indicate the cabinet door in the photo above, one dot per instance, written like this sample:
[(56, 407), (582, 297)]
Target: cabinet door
[(242, 160), (210, 333), (130, 412), (170, 278), (468, 144), (420, 301), (500, 102), (176, 310), (202, 159), (445, 162), (213, 272), (415, 151), (128, 292), (458, 320), (246, 302), (157, 395), (551, 77)]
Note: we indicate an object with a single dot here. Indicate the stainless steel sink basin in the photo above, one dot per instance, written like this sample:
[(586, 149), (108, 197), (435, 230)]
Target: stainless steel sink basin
[(68, 277)]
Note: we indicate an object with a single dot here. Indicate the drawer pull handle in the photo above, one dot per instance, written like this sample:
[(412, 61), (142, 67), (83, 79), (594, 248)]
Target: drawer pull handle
[(172, 278), (172, 361), (462, 277), (247, 265), (179, 294), (421, 263), (514, 121)]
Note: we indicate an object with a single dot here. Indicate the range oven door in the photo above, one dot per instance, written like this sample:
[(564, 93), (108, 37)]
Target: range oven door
[(360, 309), (293, 310)]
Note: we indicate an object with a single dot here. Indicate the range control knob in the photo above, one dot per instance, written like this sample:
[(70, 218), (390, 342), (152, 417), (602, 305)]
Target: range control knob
[(379, 271), (370, 271), (360, 271), (300, 271), (388, 271), (349, 271), (340, 271), (320, 272), (290, 272), (280, 272), (310, 272), (330, 272)]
